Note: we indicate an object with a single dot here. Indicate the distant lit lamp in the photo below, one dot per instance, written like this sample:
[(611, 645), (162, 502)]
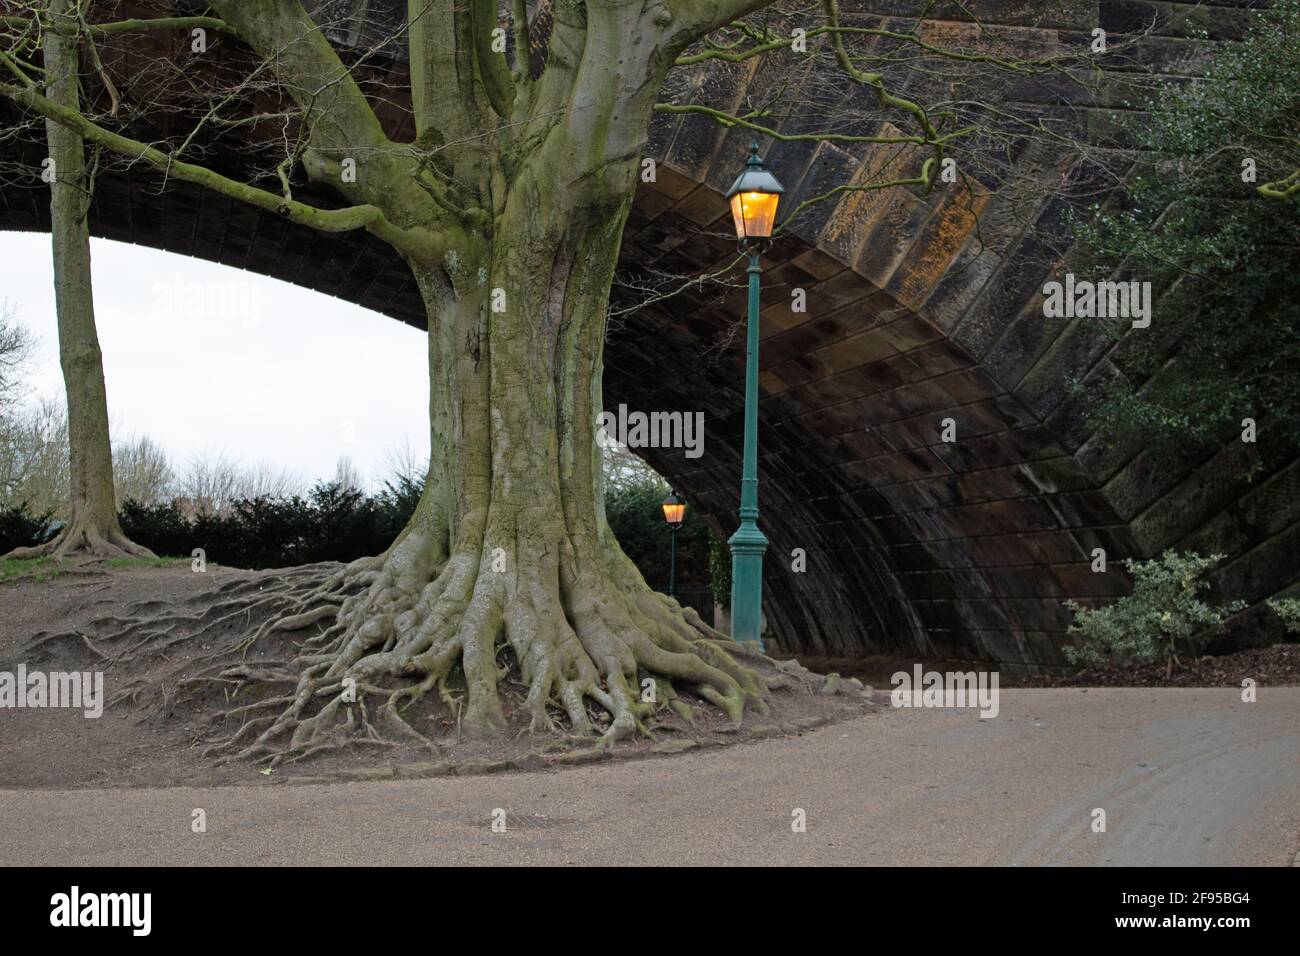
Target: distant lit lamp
[(674, 513), (753, 198)]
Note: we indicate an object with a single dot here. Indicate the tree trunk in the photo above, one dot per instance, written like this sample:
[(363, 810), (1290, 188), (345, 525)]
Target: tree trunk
[(93, 528), (508, 573), (508, 565)]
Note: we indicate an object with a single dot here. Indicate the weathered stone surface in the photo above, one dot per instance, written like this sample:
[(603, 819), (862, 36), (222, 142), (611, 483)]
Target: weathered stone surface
[(369, 773), (480, 765), (677, 746), (809, 723), (425, 769), (936, 245), (589, 755)]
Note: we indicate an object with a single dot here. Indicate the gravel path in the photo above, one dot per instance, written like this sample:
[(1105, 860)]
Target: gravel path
[(1186, 776)]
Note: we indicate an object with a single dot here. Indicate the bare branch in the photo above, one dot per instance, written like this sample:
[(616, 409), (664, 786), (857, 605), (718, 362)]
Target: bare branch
[(366, 217), (133, 25)]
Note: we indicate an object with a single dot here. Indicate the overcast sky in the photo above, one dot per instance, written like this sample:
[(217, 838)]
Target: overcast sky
[(206, 359)]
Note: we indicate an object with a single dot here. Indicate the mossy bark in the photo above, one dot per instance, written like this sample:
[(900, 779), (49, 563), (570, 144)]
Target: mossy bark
[(509, 546)]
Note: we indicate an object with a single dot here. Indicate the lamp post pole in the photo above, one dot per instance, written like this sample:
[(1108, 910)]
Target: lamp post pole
[(749, 543), (672, 562), (753, 198)]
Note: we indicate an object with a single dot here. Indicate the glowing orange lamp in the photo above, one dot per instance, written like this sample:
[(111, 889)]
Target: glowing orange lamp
[(753, 197)]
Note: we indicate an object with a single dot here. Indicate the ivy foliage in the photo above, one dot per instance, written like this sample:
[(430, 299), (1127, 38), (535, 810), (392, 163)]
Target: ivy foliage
[(1223, 257), (1288, 609)]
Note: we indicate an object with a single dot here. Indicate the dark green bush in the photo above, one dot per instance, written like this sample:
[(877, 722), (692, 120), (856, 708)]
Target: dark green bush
[(634, 513), (19, 528), (333, 523)]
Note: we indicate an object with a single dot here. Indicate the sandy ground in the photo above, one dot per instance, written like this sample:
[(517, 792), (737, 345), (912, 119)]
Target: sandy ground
[(74, 622), (1186, 777)]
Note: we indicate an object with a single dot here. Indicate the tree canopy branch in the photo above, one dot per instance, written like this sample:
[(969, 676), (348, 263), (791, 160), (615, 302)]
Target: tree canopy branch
[(731, 54), (337, 115), (696, 19), (492, 67), (346, 219), (730, 120), (441, 55), (130, 25)]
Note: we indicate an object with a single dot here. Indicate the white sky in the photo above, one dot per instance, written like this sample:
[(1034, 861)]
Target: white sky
[(207, 359)]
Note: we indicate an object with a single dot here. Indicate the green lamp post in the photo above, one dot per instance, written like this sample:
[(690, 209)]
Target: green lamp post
[(753, 197)]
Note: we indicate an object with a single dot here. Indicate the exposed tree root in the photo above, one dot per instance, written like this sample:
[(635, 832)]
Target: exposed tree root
[(504, 631), (84, 539), (592, 654)]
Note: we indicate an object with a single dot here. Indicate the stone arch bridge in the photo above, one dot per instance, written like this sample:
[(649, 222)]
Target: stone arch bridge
[(918, 310)]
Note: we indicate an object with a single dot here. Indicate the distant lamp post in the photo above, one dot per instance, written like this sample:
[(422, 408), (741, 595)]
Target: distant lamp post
[(674, 512), (753, 198)]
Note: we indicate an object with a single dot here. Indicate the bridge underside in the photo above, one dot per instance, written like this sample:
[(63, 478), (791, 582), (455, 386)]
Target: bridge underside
[(921, 313)]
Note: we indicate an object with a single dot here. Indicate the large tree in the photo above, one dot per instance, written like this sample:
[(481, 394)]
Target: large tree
[(508, 205), (92, 528)]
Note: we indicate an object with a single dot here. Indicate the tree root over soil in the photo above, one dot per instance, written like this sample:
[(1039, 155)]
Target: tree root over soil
[(598, 656), (82, 539)]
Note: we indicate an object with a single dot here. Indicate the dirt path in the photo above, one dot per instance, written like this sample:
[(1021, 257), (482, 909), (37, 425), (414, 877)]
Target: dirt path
[(1186, 776), (145, 632)]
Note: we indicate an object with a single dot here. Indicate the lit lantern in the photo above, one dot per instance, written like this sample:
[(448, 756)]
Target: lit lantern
[(753, 197), (674, 510)]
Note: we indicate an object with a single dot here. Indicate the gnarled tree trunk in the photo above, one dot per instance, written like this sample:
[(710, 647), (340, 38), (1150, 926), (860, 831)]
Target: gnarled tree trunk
[(509, 546), (508, 561)]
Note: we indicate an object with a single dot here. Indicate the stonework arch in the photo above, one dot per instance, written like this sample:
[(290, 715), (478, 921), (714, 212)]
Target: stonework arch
[(919, 309)]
